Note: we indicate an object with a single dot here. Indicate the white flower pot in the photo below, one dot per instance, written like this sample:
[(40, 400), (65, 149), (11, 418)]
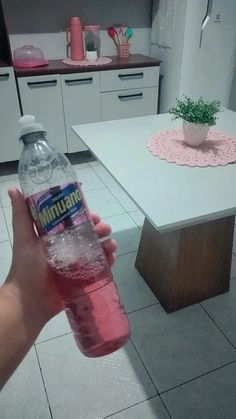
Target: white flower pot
[(195, 134), (91, 55)]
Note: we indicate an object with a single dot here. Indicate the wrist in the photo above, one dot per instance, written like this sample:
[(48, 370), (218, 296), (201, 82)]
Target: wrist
[(25, 307)]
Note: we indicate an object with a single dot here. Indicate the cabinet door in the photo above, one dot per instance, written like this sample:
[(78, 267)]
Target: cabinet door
[(10, 148), (129, 78), (41, 96), (129, 103), (81, 98)]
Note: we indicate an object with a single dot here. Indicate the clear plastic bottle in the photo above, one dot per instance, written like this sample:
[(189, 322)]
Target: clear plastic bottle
[(83, 277)]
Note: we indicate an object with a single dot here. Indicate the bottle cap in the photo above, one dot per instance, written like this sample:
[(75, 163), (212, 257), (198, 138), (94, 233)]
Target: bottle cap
[(29, 125)]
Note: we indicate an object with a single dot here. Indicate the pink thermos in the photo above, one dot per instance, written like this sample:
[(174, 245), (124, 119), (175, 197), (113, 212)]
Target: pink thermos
[(74, 36)]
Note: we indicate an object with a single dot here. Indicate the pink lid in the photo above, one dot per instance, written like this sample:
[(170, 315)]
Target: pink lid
[(91, 28), (75, 20)]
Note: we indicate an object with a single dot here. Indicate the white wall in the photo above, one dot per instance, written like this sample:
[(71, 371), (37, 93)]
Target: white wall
[(54, 44), (171, 61)]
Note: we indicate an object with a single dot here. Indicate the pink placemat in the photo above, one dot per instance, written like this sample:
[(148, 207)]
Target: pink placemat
[(86, 63), (219, 149)]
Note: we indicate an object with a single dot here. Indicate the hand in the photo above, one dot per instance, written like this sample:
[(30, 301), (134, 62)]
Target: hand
[(30, 278)]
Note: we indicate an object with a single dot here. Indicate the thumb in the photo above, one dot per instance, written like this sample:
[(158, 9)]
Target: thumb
[(23, 228)]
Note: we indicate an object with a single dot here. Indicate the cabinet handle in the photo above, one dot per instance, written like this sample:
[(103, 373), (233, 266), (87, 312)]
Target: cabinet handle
[(131, 76), (130, 97), (86, 80), (4, 76), (46, 83)]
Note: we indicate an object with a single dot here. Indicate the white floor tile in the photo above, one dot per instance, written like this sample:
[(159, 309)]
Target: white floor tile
[(89, 179), (103, 203), (3, 228), (134, 292), (222, 310), (4, 186), (212, 396), (23, 396), (125, 232), (95, 163), (8, 216), (180, 346), (58, 326), (80, 166), (123, 198), (104, 175), (8, 178), (91, 388), (138, 217), (233, 267), (150, 409), (5, 260)]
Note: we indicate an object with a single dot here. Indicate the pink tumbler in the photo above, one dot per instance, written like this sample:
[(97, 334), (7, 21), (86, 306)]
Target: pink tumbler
[(74, 36)]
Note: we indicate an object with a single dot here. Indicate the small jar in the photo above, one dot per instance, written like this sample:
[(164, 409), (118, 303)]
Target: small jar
[(92, 40)]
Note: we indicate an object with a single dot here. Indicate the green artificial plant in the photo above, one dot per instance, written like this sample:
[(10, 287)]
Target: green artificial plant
[(198, 111)]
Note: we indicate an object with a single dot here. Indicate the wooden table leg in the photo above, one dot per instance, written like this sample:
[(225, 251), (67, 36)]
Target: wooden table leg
[(186, 266)]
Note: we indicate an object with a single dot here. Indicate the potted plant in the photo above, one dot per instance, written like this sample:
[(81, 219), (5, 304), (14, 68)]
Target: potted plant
[(91, 51), (198, 116)]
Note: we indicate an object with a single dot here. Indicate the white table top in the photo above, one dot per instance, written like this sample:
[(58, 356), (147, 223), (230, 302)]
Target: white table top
[(170, 196)]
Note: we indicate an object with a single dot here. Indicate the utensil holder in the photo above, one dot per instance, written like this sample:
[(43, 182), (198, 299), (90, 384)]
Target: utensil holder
[(123, 50)]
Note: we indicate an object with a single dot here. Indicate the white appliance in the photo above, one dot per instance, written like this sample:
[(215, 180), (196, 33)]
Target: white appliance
[(196, 41)]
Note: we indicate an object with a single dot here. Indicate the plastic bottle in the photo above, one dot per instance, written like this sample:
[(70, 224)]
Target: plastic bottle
[(82, 275)]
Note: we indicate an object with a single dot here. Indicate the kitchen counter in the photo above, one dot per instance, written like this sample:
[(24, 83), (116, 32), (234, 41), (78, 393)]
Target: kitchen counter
[(58, 67), (4, 64)]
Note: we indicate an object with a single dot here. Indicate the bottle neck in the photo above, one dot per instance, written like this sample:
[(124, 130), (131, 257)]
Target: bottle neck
[(33, 137)]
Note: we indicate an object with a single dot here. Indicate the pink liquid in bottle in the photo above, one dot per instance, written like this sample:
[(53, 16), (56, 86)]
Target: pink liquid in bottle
[(94, 311), (90, 295)]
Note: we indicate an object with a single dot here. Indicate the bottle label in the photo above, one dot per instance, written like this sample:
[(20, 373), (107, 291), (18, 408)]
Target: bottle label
[(58, 208)]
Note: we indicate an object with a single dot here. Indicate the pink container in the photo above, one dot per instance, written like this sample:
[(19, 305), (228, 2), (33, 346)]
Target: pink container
[(74, 36), (28, 56), (123, 50)]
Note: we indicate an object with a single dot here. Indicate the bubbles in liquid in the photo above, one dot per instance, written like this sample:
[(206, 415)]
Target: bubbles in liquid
[(76, 251)]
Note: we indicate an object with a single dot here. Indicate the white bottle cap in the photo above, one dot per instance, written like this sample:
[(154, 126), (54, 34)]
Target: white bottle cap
[(29, 125)]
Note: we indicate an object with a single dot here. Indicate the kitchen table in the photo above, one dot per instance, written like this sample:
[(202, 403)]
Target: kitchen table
[(186, 243)]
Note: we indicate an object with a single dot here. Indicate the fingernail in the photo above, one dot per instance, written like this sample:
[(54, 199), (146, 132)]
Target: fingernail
[(103, 239)]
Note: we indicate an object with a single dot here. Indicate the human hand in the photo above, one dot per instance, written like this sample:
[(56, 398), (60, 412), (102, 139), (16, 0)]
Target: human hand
[(30, 278)]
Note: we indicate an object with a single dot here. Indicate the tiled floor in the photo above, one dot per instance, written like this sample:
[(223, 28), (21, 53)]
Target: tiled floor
[(179, 366)]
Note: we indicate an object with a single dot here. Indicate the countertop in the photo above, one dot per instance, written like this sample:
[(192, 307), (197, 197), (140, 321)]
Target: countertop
[(4, 64), (58, 67)]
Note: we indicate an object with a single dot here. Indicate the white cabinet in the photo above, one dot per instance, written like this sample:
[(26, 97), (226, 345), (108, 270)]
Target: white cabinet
[(81, 99), (60, 101), (129, 103), (41, 96), (10, 148), (139, 94), (129, 78)]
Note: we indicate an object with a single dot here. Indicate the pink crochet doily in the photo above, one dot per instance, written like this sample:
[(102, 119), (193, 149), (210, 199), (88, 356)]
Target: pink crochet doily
[(218, 149), (86, 63)]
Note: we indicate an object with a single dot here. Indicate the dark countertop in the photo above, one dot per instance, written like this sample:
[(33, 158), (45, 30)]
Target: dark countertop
[(4, 64), (58, 67)]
